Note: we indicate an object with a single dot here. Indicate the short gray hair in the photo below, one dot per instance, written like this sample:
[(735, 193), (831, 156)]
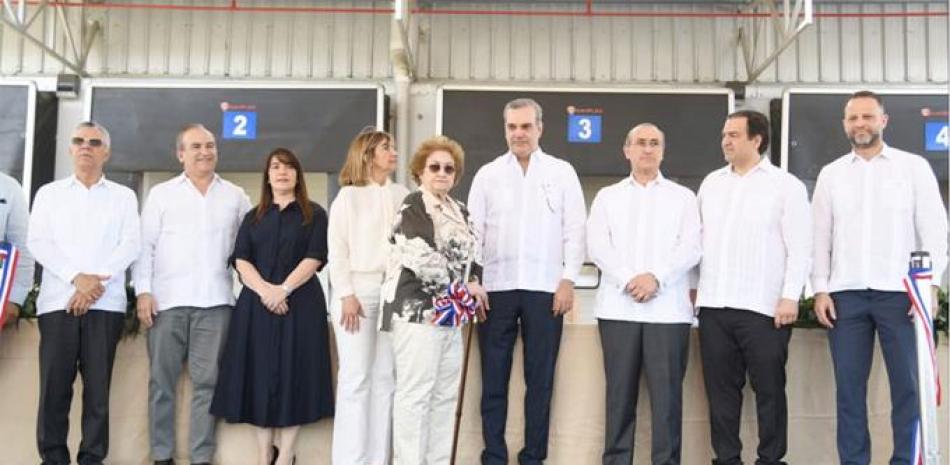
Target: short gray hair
[(640, 126), (522, 103), (180, 138), (102, 130)]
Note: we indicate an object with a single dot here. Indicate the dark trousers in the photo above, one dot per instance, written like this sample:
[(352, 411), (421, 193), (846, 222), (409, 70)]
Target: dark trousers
[(859, 314), (68, 344), (734, 342), (661, 351), (541, 334)]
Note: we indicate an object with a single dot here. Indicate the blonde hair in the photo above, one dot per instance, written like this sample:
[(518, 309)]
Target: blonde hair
[(434, 144), (357, 169)]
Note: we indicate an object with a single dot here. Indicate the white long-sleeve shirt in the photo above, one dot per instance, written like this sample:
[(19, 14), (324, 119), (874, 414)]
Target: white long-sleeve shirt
[(530, 223), (869, 215), (756, 238), (361, 220), (74, 229), (187, 238), (14, 221), (635, 229)]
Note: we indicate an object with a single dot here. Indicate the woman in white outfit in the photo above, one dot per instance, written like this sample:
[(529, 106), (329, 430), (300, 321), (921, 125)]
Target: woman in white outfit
[(361, 219)]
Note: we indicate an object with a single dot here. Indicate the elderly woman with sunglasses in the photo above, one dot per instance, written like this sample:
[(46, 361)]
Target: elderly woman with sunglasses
[(431, 291)]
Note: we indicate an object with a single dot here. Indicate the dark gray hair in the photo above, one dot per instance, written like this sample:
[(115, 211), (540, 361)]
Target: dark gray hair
[(522, 103)]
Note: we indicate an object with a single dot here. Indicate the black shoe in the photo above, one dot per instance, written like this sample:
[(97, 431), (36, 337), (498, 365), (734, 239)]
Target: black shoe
[(201, 463), (165, 462)]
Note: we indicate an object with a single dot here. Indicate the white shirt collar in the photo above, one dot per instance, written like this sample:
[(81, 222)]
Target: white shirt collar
[(886, 153), (535, 156), (74, 181), (764, 164), (658, 180)]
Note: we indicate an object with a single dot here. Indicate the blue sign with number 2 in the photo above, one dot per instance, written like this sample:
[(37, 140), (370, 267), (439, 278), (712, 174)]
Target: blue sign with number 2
[(239, 125)]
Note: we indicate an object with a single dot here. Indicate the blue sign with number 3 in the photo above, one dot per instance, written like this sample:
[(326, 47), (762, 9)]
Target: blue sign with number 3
[(584, 129), (239, 125)]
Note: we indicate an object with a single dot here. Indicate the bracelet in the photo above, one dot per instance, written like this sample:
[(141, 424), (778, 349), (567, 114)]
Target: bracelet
[(285, 289)]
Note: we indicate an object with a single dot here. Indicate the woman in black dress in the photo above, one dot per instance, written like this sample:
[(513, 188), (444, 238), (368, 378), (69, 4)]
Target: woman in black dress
[(275, 370)]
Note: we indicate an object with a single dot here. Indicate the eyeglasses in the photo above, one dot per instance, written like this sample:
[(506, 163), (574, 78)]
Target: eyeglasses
[(647, 143), (447, 169), (78, 141)]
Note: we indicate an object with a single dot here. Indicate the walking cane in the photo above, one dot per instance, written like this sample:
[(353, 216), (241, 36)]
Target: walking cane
[(461, 401), (458, 407)]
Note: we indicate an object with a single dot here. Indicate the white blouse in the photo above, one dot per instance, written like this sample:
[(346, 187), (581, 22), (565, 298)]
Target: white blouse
[(361, 219)]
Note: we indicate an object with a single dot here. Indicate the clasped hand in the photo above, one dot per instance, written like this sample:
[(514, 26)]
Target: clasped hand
[(274, 298), (89, 289)]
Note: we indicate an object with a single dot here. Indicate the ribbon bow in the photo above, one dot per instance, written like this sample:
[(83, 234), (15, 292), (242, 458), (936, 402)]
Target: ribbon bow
[(454, 308)]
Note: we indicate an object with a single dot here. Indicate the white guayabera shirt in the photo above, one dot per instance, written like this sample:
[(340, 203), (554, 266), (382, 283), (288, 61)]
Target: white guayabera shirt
[(756, 238), (531, 224)]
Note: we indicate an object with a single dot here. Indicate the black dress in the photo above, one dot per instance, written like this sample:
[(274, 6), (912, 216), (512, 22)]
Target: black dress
[(275, 369)]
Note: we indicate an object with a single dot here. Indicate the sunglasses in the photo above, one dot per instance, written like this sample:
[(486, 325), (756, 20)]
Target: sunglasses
[(447, 169), (78, 141)]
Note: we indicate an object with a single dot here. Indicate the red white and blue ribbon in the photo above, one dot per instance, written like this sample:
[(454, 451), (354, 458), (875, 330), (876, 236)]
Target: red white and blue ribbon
[(454, 308), (917, 283), (9, 255)]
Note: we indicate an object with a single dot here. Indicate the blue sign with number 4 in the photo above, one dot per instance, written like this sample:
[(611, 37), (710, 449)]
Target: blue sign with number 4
[(583, 129), (937, 136), (239, 125)]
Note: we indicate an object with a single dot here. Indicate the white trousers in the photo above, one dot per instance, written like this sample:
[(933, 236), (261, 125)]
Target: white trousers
[(362, 425), (428, 367)]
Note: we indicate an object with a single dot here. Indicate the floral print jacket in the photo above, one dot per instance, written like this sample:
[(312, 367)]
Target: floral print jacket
[(434, 245)]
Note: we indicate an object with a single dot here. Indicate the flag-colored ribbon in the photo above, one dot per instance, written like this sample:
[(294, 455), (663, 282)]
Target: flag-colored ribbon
[(923, 320), (454, 308), (8, 259)]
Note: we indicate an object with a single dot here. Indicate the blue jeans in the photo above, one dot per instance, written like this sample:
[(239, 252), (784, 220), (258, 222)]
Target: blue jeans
[(859, 314)]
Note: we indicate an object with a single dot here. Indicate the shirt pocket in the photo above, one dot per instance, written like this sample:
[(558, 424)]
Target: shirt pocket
[(897, 196), (762, 209), (844, 200)]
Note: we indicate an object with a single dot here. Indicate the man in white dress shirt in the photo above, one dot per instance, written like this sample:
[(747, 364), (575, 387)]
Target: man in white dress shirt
[(872, 208), (184, 288), (756, 253), (644, 234), (84, 231), (528, 209), (14, 220)]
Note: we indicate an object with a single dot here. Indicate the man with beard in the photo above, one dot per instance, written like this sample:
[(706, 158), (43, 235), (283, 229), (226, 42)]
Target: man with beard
[(871, 209)]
